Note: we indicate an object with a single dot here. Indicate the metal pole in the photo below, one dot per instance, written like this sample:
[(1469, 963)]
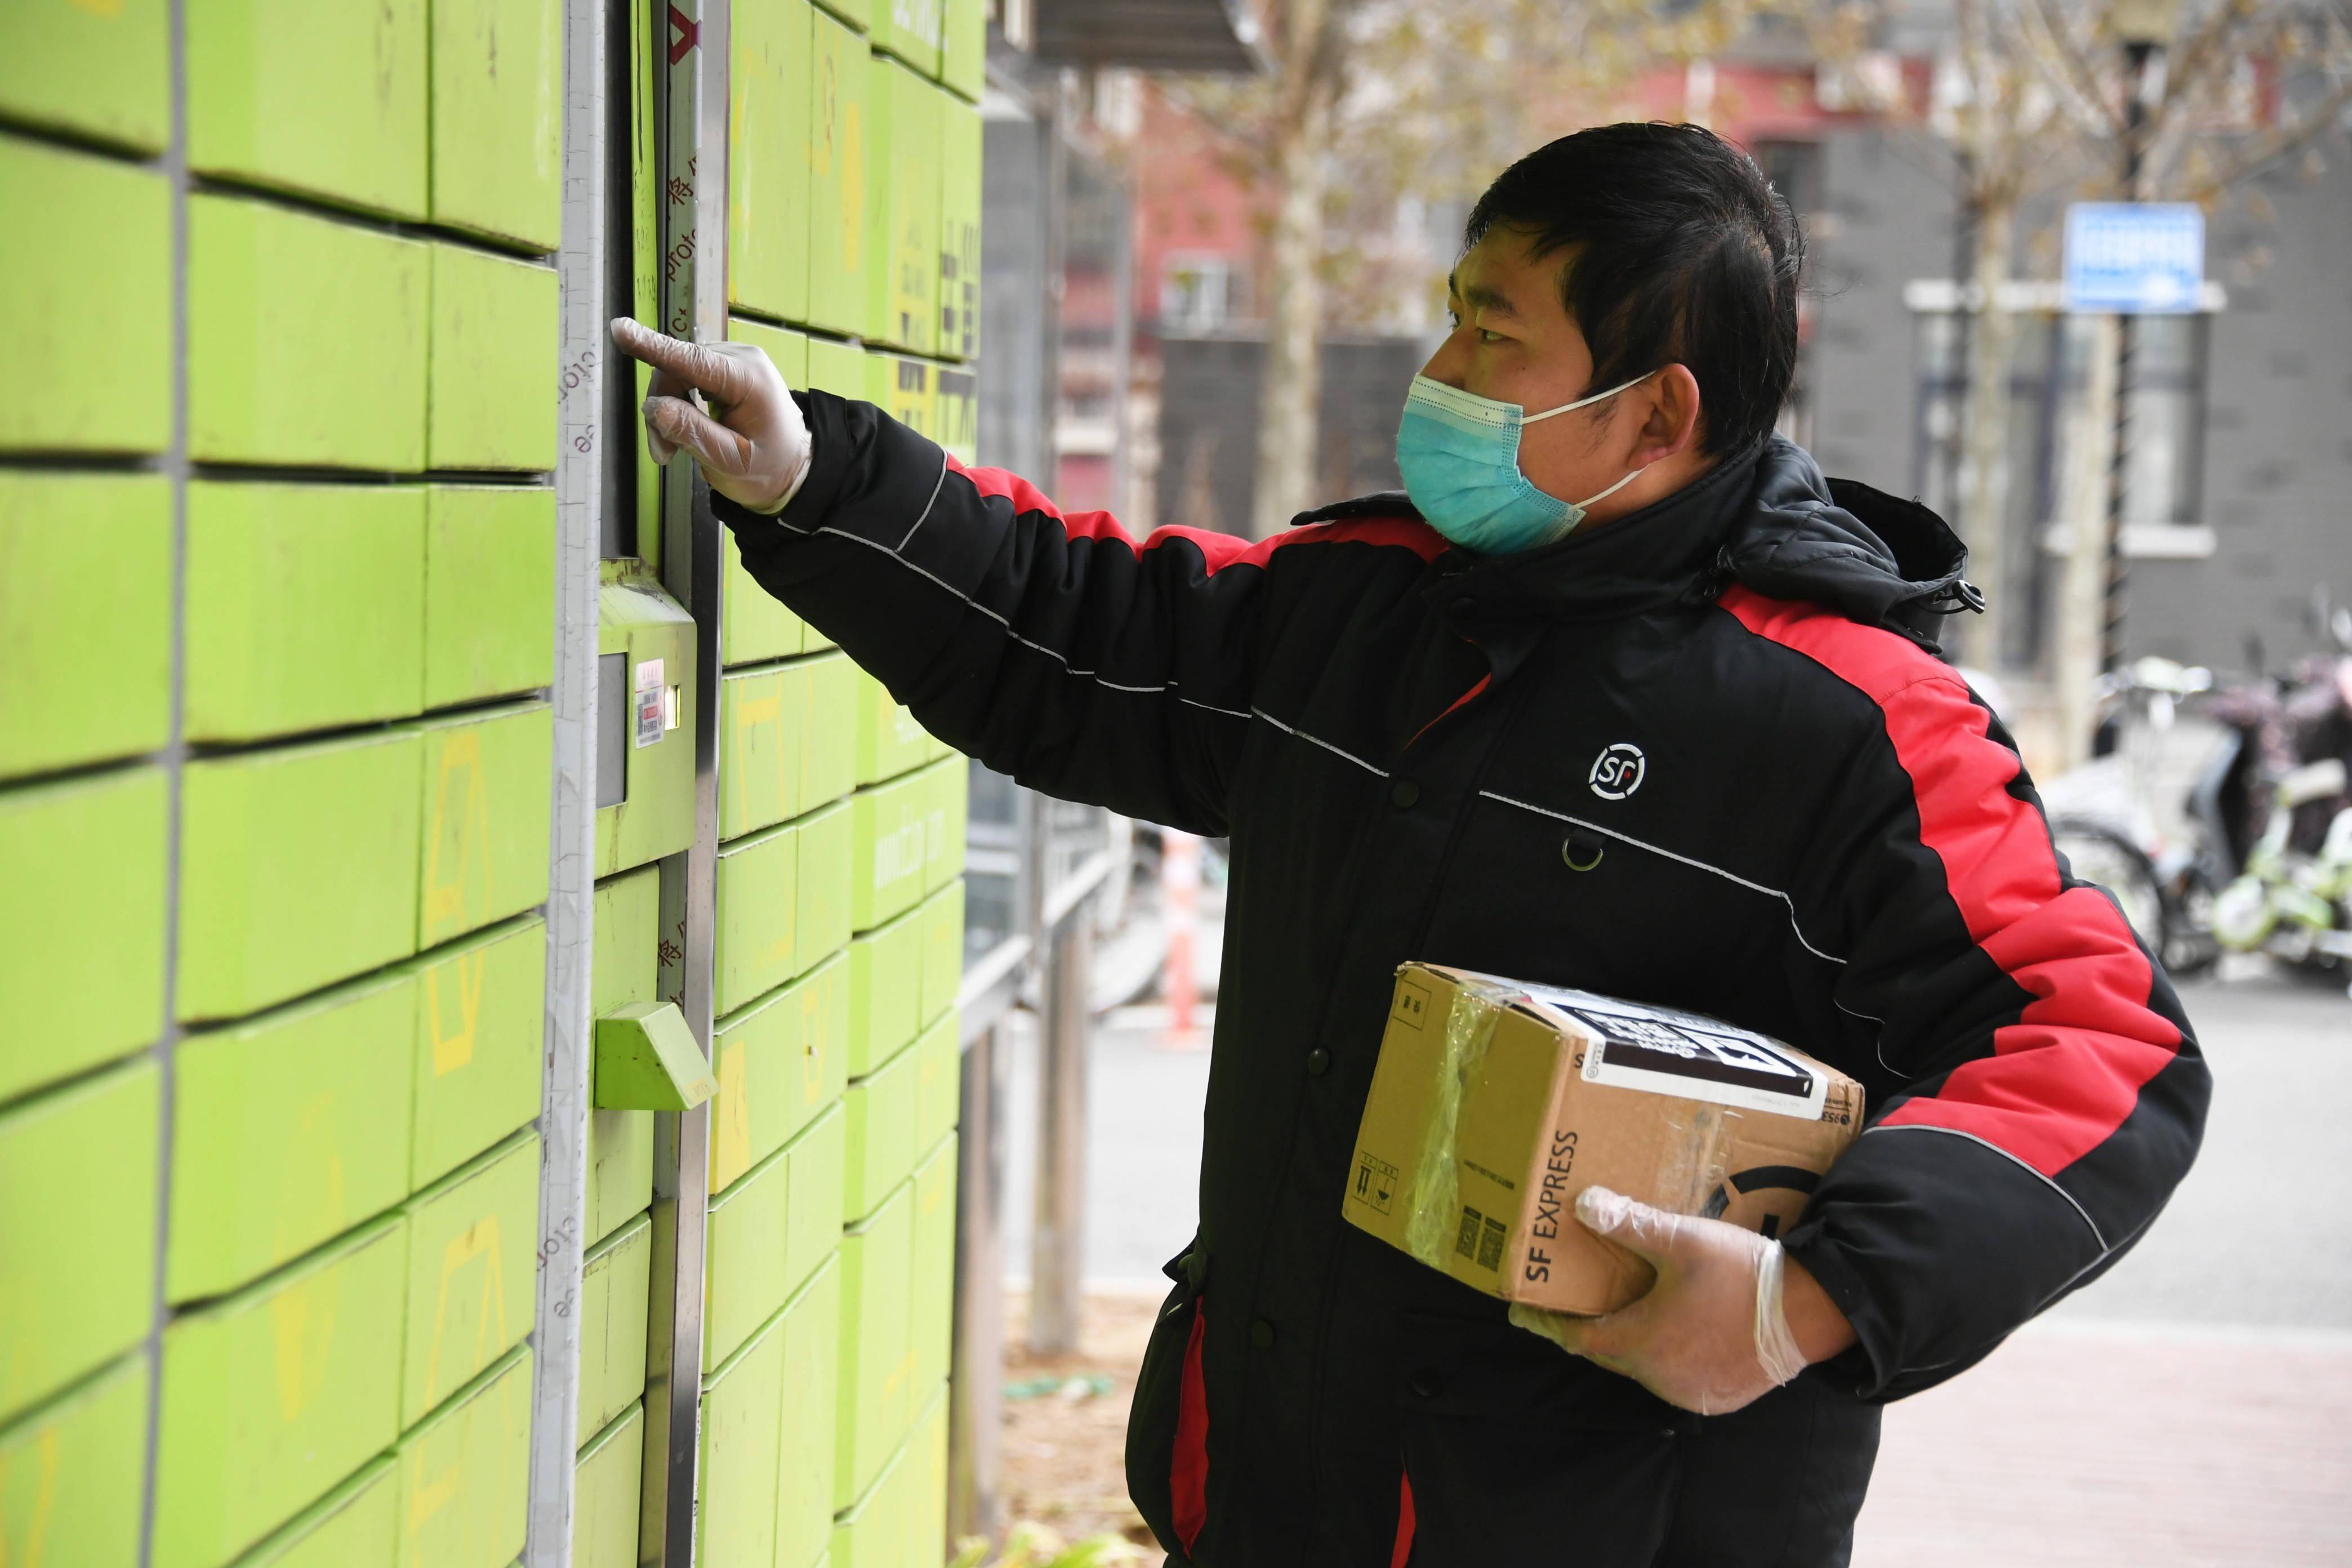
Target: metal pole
[(1058, 1250), (976, 1376), (691, 111), (581, 499), (2138, 57)]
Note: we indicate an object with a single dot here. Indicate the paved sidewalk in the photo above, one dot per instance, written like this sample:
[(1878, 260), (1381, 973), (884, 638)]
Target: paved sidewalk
[(2194, 1407), (2155, 1447)]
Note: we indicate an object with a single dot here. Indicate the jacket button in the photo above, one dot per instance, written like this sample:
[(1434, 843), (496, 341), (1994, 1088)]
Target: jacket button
[(1582, 850), (1405, 793), (1318, 1062), (1262, 1334), (1426, 1383)]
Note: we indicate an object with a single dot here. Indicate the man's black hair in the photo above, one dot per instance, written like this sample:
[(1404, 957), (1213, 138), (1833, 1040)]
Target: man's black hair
[(1680, 250)]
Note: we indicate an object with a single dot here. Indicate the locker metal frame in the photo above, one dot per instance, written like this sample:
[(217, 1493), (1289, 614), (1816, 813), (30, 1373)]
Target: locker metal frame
[(584, 494), (690, 118)]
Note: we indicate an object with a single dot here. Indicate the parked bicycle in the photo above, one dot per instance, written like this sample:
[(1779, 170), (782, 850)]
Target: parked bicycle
[(2131, 819)]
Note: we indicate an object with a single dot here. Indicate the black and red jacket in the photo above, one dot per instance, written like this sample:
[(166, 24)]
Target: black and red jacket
[(1826, 838)]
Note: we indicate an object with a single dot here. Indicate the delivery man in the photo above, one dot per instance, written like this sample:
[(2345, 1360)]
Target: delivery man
[(1621, 694)]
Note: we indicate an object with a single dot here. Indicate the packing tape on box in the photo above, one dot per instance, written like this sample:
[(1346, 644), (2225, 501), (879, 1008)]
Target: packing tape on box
[(1691, 1168), (1434, 1199)]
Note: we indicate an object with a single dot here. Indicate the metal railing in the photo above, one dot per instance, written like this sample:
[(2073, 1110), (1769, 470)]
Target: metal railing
[(1054, 856)]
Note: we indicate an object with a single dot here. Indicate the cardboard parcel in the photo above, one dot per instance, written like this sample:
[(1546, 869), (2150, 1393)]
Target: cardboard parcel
[(1495, 1102)]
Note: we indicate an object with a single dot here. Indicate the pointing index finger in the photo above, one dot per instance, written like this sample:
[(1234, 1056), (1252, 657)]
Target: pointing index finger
[(690, 363)]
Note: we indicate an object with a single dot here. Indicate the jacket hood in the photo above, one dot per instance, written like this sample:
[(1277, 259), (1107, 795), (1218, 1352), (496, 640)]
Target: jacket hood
[(1847, 547), (1767, 518)]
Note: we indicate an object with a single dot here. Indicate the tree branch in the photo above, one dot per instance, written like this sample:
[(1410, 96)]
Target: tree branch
[(2072, 77), (2286, 139)]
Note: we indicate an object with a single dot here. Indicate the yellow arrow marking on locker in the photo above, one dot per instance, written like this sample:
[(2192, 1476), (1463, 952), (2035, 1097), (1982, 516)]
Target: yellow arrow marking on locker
[(308, 1210), (460, 840), (479, 1239), (36, 1539), (427, 1499), (453, 1048), (733, 1155), (751, 712), (302, 1323)]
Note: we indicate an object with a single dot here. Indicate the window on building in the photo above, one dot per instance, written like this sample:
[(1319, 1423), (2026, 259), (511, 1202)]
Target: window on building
[(2165, 479), (1200, 293), (2050, 378)]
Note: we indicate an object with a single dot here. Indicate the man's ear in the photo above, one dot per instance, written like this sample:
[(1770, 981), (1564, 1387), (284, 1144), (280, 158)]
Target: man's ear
[(1673, 425)]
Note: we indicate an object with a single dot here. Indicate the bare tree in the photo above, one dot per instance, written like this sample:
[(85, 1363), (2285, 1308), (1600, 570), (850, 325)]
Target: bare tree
[(1372, 104), (2032, 102), (1999, 118), (2245, 85), (1309, 64)]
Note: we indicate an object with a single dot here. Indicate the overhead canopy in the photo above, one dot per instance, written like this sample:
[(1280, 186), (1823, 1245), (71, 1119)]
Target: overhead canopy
[(1208, 35)]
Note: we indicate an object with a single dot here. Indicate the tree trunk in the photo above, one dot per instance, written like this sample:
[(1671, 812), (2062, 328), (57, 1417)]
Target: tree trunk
[(1984, 431), (1292, 385)]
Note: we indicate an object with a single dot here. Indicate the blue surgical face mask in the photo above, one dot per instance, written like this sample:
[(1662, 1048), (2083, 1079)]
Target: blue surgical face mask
[(1459, 454)]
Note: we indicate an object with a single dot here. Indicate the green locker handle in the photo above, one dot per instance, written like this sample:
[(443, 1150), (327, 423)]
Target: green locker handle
[(647, 1060)]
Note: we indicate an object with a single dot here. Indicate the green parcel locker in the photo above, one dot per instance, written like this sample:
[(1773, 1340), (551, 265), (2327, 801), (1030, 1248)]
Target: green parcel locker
[(71, 1473), (768, 158), (86, 600), (327, 102), (78, 1232), (91, 305), (497, 98), (88, 852), (465, 1474), (840, 144), (902, 197), (272, 1396), (102, 71), (288, 1128)]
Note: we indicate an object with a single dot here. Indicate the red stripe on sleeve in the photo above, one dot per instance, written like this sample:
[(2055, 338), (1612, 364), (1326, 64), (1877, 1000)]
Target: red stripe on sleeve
[(2065, 1075), (1401, 1552), (1218, 550)]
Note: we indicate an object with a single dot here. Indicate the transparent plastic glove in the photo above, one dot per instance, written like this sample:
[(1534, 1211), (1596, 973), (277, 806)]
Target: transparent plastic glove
[(752, 445), (1710, 1335)]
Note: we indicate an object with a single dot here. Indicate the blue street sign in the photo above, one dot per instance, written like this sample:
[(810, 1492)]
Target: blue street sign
[(2135, 258)]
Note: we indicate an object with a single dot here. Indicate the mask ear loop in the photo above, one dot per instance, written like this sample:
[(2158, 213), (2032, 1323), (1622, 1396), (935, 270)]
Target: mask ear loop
[(1586, 402), (1612, 489), (1589, 402)]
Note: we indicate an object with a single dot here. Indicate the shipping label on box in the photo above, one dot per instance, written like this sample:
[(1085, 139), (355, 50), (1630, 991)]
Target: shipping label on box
[(1495, 1102)]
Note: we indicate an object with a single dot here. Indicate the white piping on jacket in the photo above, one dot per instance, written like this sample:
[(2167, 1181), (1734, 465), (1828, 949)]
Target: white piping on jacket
[(1317, 741), (1056, 655), (937, 486), (1699, 865), (2045, 1180)]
